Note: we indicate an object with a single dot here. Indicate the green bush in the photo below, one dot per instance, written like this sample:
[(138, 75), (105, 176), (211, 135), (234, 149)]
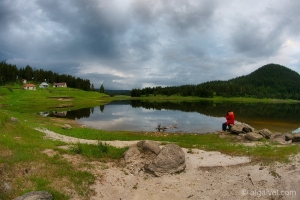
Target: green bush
[(103, 147), (76, 148)]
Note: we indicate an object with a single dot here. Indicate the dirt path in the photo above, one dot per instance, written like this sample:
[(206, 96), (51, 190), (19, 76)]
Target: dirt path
[(208, 175)]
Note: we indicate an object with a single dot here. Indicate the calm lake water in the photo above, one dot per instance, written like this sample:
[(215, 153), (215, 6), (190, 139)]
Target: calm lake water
[(196, 117)]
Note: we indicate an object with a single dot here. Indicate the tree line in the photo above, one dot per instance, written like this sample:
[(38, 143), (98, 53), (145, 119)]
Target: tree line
[(11, 74), (184, 90), (269, 81)]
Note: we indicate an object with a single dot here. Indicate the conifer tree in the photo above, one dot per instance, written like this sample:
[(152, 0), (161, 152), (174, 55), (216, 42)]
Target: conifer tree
[(102, 89)]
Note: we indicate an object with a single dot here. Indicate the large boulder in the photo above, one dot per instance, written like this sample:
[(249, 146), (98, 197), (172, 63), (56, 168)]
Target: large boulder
[(253, 136), (237, 128), (132, 153), (240, 128), (279, 138), (171, 159), (149, 145), (36, 195), (296, 137), (247, 129), (265, 133), (289, 136)]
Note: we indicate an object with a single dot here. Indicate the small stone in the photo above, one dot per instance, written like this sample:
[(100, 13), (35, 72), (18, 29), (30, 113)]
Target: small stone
[(13, 119), (36, 195), (66, 126)]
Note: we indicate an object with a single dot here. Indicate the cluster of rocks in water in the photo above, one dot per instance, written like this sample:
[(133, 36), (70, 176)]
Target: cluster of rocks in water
[(249, 133)]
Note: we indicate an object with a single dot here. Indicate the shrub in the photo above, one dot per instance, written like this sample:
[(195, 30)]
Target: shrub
[(76, 148), (103, 147)]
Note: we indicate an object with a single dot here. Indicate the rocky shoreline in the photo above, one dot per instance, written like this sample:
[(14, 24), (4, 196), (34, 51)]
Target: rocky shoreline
[(246, 132)]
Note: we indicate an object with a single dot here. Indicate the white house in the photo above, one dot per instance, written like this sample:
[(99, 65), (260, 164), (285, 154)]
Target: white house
[(29, 87), (44, 85), (63, 84)]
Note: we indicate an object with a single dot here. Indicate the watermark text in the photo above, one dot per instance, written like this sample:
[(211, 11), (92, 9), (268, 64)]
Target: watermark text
[(267, 192)]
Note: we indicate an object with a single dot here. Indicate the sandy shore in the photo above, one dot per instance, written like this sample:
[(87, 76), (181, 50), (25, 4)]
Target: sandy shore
[(208, 175)]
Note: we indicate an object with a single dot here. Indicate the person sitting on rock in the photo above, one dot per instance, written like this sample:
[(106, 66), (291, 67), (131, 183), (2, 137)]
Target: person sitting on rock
[(229, 120)]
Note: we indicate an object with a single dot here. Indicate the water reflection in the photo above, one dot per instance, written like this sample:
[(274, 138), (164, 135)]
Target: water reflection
[(200, 116)]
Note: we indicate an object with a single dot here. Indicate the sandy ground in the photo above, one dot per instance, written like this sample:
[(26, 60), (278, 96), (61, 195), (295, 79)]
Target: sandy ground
[(208, 175)]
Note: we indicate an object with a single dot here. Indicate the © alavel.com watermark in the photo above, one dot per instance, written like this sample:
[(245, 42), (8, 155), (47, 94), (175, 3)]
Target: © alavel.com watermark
[(266, 192)]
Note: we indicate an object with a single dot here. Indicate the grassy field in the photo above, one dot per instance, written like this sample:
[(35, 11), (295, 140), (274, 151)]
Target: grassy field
[(17, 99), (25, 167)]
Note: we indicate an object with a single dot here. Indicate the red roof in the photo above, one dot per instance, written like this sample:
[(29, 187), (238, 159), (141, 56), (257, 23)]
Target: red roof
[(63, 83), (29, 85)]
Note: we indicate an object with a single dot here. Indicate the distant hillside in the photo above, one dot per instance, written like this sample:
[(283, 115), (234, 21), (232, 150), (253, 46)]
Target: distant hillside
[(271, 75), (269, 81)]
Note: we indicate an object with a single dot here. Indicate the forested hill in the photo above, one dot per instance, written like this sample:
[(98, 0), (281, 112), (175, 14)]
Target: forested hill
[(271, 75), (269, 81)]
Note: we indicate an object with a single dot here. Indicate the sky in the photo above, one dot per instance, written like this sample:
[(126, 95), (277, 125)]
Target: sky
[(126, 44)]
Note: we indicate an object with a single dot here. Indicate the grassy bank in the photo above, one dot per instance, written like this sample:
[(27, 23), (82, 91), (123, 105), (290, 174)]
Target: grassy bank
[(17, 99), (25, 166)]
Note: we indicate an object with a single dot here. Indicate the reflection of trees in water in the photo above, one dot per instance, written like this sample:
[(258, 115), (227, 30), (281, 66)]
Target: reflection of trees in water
[(80, 113), (243, 111), (102, 108)]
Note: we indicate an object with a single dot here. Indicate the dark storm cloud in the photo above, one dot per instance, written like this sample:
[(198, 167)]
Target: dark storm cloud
[(91, 26), (133, 44)]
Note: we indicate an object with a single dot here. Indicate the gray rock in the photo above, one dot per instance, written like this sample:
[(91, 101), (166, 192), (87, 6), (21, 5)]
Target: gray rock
[(131, 153), (171, 159), (66, 126), (13, 119), (7, 188), (36, 195), (149, 145), (248, 129), (296, 137), (289, 136), (265, 133), (253, 136), (237, 128), (279, 138)]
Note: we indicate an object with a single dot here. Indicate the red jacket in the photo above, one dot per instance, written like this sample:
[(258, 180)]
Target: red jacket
[(230, 118)]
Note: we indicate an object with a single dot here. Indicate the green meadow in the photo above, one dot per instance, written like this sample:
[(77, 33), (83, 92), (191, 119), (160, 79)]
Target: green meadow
[(25, 167)]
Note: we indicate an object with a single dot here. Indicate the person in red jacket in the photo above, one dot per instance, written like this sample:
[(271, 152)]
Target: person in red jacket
[(229, 120)]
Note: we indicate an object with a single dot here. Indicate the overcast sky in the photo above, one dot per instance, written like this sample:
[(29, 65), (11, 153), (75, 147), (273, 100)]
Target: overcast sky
[(126, 44)]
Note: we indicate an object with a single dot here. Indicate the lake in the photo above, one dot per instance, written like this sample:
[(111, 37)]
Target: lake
[(189, 117)]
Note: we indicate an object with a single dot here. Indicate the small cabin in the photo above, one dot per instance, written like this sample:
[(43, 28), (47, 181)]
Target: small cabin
[(63, 84), (29, 87), (44, 85)]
